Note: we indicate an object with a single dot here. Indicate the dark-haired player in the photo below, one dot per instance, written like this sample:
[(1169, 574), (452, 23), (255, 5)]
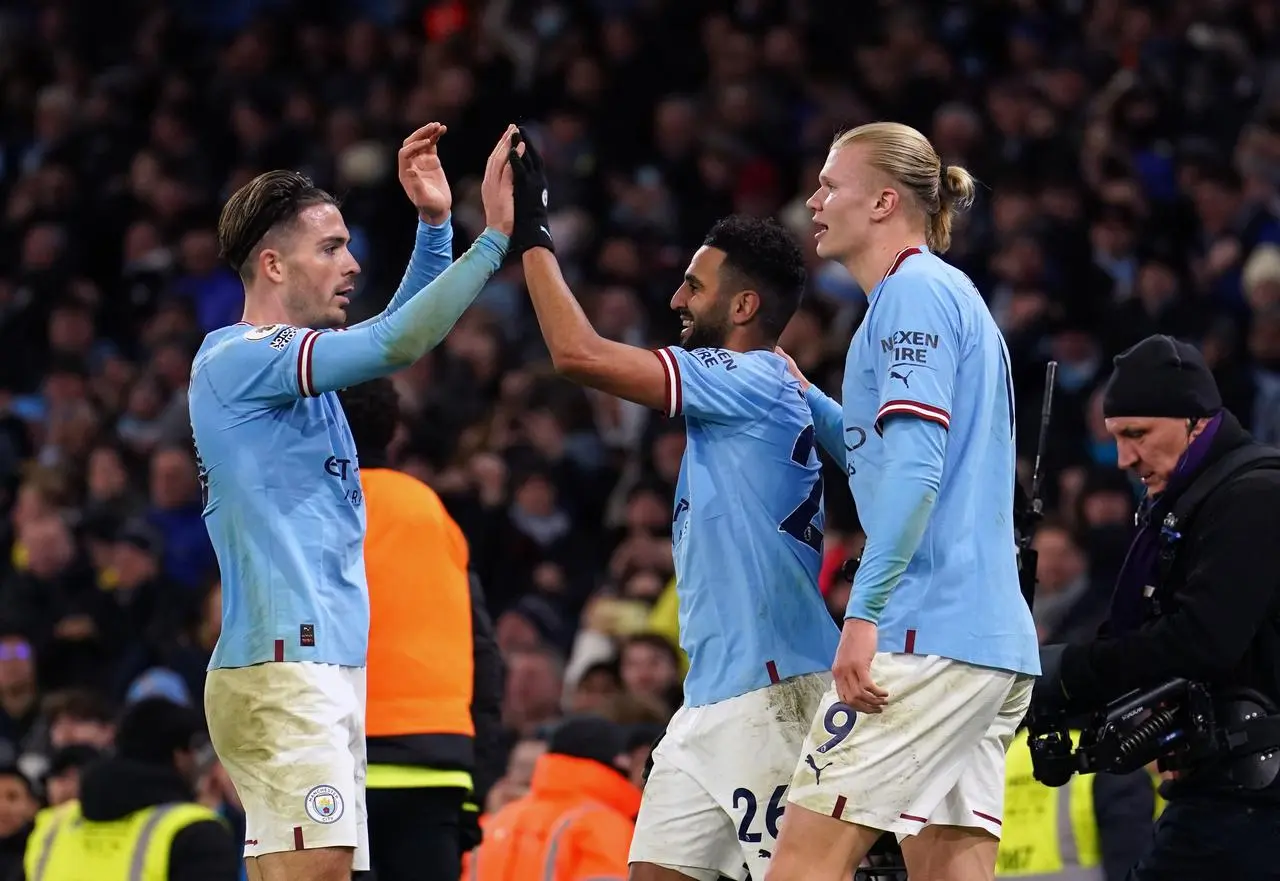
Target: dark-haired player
[(285, 695), (746, 534)]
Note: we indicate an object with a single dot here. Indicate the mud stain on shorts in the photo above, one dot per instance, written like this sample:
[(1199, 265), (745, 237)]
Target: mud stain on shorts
[(273, 730), (793, 703)]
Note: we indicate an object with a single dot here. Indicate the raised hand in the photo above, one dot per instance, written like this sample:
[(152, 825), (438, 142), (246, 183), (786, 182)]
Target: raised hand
[(422, 175), (533, 229), (496, 188)]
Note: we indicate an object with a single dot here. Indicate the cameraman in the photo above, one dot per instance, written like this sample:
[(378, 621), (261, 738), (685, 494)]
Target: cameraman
[(1207, 611)]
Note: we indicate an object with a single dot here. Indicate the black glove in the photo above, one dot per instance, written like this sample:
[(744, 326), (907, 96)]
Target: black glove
[(532, 228), (1048, 692)]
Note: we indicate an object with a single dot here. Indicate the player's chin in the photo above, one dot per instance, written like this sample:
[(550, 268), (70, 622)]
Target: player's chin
[(338, 313), (825, 247)]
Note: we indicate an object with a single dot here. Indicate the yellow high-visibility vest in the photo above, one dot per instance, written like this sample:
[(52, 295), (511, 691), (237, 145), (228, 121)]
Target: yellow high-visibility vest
[(1048, 832), (64, 846)]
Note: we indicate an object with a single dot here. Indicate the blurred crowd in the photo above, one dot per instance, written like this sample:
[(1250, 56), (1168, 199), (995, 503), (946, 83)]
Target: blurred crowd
[(1129, 159)]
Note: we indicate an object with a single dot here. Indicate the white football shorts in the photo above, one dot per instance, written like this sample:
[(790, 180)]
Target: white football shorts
[(935, 755), (291, 736), (718, 786)]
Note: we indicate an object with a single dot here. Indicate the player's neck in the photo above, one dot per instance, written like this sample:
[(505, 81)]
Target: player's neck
[(742, 339), (261, 309), (874, 263)]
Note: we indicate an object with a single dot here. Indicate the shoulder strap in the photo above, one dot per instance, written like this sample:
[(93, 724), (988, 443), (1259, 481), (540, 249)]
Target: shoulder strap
[(1247, 458)]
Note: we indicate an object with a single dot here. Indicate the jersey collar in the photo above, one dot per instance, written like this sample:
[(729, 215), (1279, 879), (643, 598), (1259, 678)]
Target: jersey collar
[(909, 251)]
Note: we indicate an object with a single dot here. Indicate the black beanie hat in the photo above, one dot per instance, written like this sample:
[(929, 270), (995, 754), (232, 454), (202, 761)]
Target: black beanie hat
[(1161, 377), (588, 737)]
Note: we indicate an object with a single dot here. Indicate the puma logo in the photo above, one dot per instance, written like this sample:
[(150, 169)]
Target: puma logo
[(764, 854), (817, 772), (905, 377)]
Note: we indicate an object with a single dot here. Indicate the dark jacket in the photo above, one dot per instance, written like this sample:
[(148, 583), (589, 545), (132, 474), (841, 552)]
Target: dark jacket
[(486, 697), (1123, 805), (1220, 620), (113, 788)]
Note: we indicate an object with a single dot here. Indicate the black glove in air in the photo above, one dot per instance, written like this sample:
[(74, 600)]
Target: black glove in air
[(532, 229)]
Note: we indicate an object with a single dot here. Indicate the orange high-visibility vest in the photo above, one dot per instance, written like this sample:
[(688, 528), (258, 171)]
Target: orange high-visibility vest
[(420, 667)]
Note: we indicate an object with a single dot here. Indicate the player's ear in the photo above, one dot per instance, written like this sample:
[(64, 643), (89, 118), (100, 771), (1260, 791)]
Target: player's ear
[(746, 306), (271, 265), (885, 203)]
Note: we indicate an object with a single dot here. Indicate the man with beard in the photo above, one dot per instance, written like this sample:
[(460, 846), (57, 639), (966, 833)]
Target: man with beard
[(746, 532)]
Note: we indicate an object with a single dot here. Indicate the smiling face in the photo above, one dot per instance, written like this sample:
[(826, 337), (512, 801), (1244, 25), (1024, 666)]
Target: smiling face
[(701, 304), (1152, 447), (311, 263)]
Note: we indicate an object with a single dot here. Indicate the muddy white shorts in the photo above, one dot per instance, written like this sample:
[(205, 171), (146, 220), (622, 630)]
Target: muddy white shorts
[(936, 755), (718, 786), (291, 736)]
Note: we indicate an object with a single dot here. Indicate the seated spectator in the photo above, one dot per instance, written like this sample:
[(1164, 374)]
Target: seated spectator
[(18, 693), (62, 779), (18, 806), (651, 668), (597, 684)]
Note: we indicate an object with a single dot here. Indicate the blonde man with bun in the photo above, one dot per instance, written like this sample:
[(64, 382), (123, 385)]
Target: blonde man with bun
[(938, 650)]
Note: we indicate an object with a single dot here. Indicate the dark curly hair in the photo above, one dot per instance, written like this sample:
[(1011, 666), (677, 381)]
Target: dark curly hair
[(762, 256), (373, 411)]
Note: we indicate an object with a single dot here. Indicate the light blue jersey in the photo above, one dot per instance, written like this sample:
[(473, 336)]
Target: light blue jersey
[(927, 429), (747, 529), (283, 504)]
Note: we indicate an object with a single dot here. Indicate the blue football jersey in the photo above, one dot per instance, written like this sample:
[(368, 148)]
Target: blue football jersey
[(929, 349), (747, 528), (283, 504), (282, 501)]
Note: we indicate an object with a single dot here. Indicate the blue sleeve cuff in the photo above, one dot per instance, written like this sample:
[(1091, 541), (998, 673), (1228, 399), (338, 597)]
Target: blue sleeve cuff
[(496, 238), (437, 228)]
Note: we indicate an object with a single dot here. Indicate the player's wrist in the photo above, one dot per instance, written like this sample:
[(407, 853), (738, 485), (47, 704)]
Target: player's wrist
[(436, 220)]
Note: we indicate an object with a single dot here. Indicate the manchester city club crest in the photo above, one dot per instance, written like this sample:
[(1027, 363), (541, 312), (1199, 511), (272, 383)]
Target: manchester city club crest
[(324, 804)]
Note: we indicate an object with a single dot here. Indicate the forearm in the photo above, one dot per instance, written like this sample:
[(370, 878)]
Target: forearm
[(432, 254), (914, 453), (568, 333), (397, 339), (828, 422)]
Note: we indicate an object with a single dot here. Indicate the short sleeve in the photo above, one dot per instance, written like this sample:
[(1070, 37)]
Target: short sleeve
[(716, 385), (266, 365), (916, 331)]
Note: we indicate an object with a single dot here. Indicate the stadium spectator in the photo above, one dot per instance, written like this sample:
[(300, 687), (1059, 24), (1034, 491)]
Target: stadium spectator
[(18, 693), (433, 721), (576, 821), (62, 780), (137, 808), (1127, 156), (18, 806)]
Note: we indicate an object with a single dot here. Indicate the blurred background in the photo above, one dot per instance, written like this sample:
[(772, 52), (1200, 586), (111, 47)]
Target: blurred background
[(1129, 160)]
